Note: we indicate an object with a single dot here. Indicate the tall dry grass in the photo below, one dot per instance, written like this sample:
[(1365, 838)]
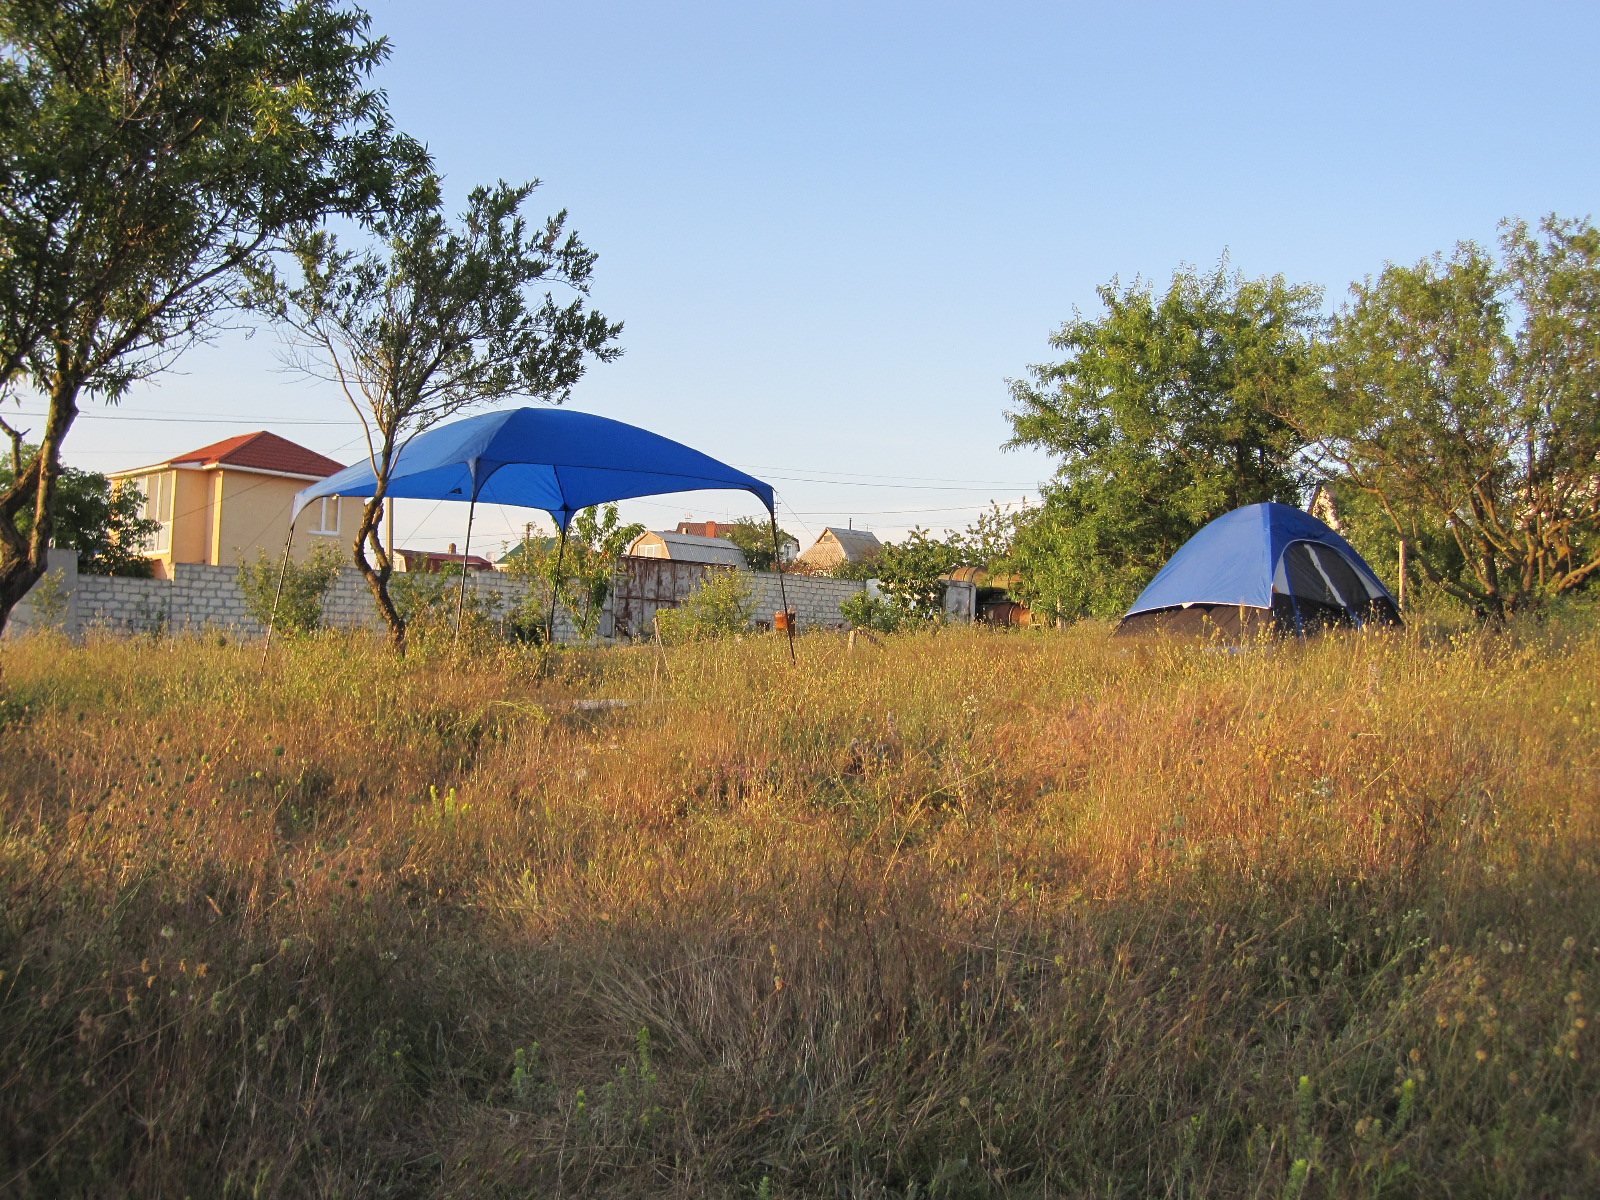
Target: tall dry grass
[(980, 914)]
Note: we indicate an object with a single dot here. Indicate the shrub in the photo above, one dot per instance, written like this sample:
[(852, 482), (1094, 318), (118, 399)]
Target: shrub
[(428, 601), (722, 605), (296, 607), (882, 613)]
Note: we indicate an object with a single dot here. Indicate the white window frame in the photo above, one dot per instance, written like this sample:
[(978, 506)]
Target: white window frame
[(157, 489), (328, 505)]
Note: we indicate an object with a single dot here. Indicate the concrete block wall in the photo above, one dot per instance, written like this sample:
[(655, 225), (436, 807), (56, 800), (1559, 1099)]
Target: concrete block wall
[(815, 598), (202, 597), (52, 602)]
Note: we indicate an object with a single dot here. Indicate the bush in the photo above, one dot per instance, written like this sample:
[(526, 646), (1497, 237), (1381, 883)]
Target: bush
[(722, 605), (297, 606), (427, 602), (884, 614)]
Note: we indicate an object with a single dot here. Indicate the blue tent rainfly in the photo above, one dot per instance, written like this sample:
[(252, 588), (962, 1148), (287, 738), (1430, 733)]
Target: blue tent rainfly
[(546, 458), (1262, 565)]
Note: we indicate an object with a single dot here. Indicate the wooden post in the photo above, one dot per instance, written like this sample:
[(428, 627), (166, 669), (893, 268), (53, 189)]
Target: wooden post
[(1402, 596)]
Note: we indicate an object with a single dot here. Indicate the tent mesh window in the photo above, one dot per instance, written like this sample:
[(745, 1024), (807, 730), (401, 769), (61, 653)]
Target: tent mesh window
[(1325, 590)]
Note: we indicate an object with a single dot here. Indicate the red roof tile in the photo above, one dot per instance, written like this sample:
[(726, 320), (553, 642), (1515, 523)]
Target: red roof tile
[(265, 452)]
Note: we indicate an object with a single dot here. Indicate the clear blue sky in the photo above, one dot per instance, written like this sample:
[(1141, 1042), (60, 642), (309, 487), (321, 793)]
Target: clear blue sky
[(834, 230)]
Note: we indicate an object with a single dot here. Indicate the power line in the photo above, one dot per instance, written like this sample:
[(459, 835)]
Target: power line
[(1009, 483), (178, 418), (884, 512)]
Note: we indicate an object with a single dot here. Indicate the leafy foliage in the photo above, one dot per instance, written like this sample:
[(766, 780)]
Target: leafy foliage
[(580, 574), (101, 522), (990, 540), (720, 607), (753, 536), (1164, 414), (148, 151), (908, 572), (296, 607), (433, 319), (1462, 395), (432, 602), (878, 612)]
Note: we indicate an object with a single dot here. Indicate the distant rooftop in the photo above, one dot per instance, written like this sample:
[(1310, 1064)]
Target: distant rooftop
[(687, 547), (836, 546)]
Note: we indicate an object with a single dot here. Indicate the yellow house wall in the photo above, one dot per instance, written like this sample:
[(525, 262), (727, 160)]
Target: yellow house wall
[(222, 517), (191, 513), (255, 519)]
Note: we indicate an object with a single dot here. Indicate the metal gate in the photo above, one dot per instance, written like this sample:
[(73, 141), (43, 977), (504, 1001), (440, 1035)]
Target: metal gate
[(641, 587)]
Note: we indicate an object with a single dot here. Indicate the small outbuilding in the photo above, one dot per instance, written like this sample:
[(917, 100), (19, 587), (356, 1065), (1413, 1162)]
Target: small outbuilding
[(1265, 567), (688, 547), (839, 546)]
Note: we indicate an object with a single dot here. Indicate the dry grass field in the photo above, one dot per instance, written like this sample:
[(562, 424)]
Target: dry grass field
[(976, 914)]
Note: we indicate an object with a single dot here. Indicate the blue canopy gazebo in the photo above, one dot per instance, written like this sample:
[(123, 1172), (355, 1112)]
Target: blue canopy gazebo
[(552, 459)]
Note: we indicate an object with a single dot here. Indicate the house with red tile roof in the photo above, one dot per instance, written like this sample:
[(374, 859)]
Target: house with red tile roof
[(229, 502)]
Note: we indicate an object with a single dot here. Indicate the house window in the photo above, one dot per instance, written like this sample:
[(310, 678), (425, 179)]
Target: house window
[(327, 516), (157, 492)]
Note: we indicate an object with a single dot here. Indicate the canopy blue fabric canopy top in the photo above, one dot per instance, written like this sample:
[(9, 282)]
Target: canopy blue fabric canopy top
[(546, 458), (1270, 557)]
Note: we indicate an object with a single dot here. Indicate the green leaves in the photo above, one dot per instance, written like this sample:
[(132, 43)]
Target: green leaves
[(150, 150), (1164, 415), (1462, 396), (432, 318)]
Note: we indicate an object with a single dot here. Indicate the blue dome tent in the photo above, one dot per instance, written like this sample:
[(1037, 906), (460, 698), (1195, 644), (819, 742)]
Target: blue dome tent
[(1265, 566)]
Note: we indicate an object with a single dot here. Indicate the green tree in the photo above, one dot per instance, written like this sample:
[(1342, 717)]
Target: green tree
[(908, 572), (753, 536), (989, 541), (101, 522), (579, 575), (1462, 397), (1164, 415), (148, 150), (720, 607), (432, 320)]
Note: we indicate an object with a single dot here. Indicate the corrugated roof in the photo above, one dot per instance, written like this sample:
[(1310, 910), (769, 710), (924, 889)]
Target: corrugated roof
[(261, 451), (857, 545), (689, 547)]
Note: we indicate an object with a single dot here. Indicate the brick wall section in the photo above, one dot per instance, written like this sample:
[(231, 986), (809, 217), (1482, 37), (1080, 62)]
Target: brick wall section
[(202, 597)]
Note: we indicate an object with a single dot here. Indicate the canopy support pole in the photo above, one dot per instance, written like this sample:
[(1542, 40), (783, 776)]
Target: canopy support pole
[(461, 589), (555, 586), (783, 593), (277, 594)]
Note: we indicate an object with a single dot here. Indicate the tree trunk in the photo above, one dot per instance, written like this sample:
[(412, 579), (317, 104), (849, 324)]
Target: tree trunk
[(24, 558), (377, 577)]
